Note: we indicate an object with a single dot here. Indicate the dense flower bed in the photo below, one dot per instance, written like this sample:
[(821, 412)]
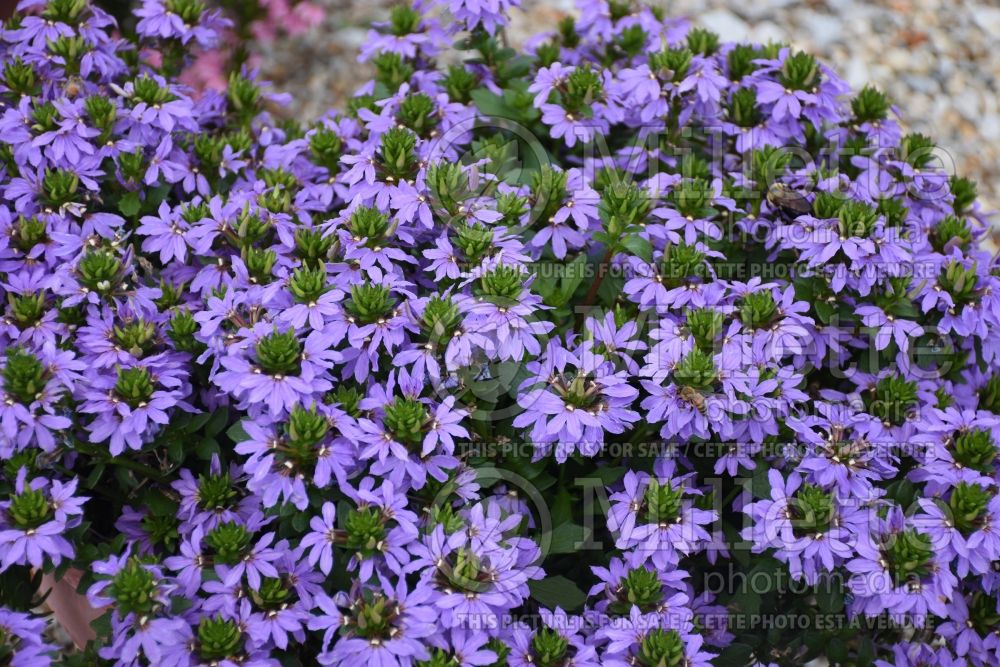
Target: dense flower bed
[(634, 348)]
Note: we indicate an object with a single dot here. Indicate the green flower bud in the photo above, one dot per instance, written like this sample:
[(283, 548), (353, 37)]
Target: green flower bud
[(475, 241), (365, 528), (622, 206), (671, 64), (100, 270), (961, 282), (137, 336), (705, 325), (984, 614), (370, 303), (162, 530), (448, 185), (19, 77), (768, 164), (370, 224), (549, 648), (209, 149), (640, 588), (276, 200), (968, 507), (71, 49), (870, 106), (216, 492), (856, 218), (280, 177), (696, 370), (359, 102), (26, 458), (944, 400), (27, 309), (24, 376), (146, 89), (444, 515), (583, 87), (229, 542), (894, 211), (396, 155), (373, 616), (908, 556), (308, 285), (662, 502), (45, 117), (244, 97), (133, 165), (501, 650), (439, 658), (964, 191), (503, 285), (917, 150), (260, 264), (348, 397), (219, 638), (134, 386), (29, 509), (279, 353), (512, 207), (989, 395), (499, 152), (181, 331), (811, 510), (311, 246), (170, 295), (419, 113), (892, 400), (459, 83), (661, 648), (391, 70), (403, 20), (64, 11), (440, 318), (404, 419), (59, 186), (680, 263), (800, 71), (272, 593), (189, 11), (702, 42), (325, 146), (307, 427), (29, 232), (548, 188), (631, 41), (133, 589), (758, 309), (952, 231), (740, 62), (743, 110)]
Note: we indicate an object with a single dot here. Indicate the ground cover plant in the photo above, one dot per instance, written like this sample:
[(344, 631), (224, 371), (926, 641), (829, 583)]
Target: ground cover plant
[(629, 347)]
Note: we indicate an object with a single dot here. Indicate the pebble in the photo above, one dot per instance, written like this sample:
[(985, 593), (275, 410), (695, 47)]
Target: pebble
[(936, 59)]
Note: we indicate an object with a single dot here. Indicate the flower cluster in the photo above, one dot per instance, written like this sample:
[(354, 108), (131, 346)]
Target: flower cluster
[(630, 348)]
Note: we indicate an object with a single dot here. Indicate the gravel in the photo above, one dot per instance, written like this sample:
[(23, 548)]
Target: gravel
[(933, 57)]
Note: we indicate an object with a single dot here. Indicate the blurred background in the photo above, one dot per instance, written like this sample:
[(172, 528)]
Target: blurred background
[(937, 59)]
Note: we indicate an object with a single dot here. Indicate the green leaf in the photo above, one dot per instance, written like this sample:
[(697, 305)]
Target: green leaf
[(734, 655), (237, 433), (567, 538), (557, 591), (639, 247), (130, 204), (492, 105), (217, 422)]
